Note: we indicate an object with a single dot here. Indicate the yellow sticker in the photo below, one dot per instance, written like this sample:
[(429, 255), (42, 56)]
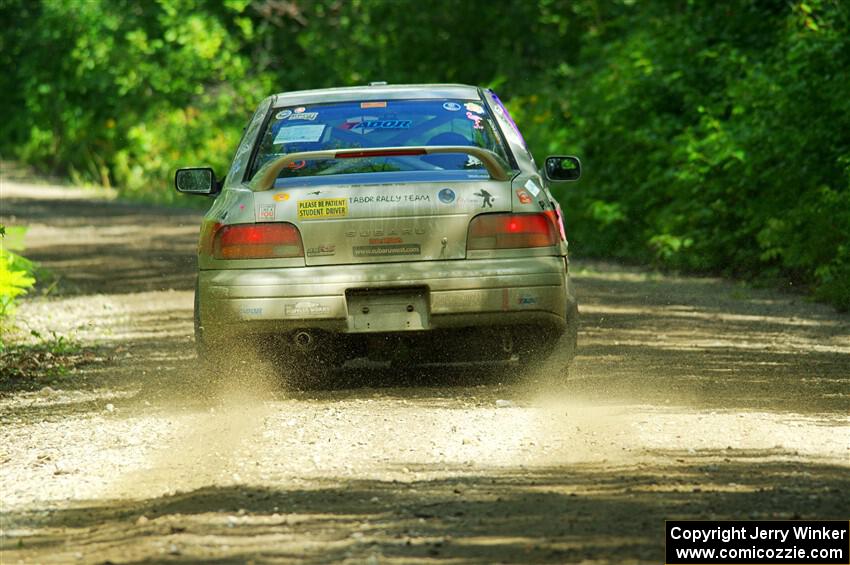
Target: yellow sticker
[(322, 208), (282, 197)]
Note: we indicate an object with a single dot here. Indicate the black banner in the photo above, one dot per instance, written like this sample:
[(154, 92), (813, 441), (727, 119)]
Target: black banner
[(758, 542)]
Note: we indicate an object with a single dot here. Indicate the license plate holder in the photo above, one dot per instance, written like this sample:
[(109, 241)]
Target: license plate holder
[(387, 310)]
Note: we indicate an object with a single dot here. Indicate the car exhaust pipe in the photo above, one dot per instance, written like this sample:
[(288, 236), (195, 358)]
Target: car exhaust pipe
[(303, 340)]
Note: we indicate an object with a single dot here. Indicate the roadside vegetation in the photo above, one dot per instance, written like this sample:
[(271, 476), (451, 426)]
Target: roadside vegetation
[(28, 359), (714, 135), (17, 275)]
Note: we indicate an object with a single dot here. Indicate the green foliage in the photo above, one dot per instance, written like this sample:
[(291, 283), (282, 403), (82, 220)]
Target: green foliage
[(28, 364), (713, 135), (16, 274)]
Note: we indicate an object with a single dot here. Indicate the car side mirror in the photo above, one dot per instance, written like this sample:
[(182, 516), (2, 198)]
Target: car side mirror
[(197, 180), (562, 168)]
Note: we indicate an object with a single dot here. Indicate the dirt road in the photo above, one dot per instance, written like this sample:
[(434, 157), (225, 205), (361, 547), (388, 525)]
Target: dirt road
[(691, 398)]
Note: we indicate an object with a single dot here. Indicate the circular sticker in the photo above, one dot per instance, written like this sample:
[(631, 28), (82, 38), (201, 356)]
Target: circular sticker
[(473, 107), (446, 196), (451, 106), (283, 114), (299, 109)]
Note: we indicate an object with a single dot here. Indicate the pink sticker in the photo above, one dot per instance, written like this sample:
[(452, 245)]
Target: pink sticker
[(476, 119)]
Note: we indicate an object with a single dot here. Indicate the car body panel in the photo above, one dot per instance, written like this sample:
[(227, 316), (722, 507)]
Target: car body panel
[(383, 222), (378, 241), (513, 290)]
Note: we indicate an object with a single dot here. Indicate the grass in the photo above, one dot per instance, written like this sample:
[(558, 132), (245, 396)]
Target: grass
[(25, 365)]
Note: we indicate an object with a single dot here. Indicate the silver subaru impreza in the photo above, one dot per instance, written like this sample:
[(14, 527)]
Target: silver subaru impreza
[(401, 223)]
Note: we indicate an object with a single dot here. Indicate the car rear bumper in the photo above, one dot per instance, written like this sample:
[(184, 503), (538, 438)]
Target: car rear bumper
[(493, 292)]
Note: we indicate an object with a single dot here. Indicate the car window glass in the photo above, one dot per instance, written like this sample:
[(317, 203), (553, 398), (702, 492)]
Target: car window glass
[(391, 123), (508, 125)]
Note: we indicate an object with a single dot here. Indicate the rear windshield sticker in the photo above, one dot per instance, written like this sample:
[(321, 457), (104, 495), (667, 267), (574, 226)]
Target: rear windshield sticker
[(283, 114), (299, 109), (296, 134), (531, 186), (368, 125), (322, 208), (356, 124), (473, 107), (365, 105), (451, 106), (475, 118), (306, 116)]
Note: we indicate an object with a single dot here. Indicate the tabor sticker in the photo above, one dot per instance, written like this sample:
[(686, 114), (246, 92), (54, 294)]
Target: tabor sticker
[(321, 208), (532, 187), (283, 114), (383, 124), (473, 107), (281, 197), (296, 134), (356, 124), (451, 106), (365, 105)]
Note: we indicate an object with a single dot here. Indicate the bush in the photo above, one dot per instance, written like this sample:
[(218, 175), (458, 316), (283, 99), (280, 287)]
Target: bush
[(16, 276)]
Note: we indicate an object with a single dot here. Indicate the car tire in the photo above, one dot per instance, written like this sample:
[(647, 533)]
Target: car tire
[(550, 362), (215, 358)]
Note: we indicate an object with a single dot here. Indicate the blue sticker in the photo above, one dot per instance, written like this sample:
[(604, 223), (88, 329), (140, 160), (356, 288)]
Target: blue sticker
[(451, 106), (283, 114), (446, 196), (383, 124)]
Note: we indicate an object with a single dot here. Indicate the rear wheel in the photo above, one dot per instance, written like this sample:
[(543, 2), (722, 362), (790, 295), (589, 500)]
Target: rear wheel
[(218, 359), (549, 361)]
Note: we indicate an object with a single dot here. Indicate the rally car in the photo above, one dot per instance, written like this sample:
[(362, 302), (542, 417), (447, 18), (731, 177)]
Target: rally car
[(401, 223)]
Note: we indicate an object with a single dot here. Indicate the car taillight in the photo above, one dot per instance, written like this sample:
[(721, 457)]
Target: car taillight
[(257, 241), (511, 231)]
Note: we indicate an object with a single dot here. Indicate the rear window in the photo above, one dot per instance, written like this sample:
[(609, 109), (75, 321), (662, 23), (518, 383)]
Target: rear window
[(391, 123)]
